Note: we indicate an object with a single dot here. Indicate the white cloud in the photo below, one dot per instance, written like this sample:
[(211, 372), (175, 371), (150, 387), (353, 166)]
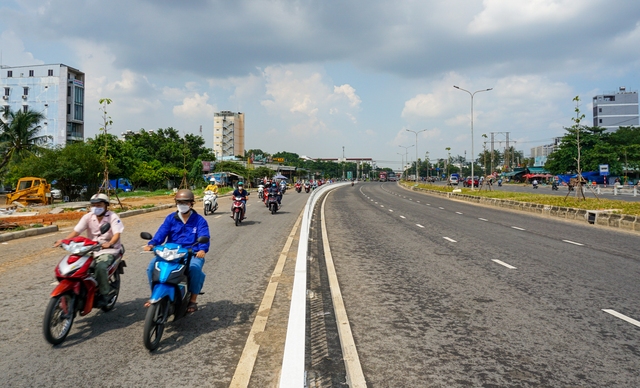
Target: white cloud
[(195, 106)]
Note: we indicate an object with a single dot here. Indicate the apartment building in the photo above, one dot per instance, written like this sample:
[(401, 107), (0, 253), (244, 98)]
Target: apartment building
[(615, 110), (228, 134)]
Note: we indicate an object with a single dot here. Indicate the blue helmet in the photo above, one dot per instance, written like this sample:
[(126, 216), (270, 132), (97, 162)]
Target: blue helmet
[(274, 184)]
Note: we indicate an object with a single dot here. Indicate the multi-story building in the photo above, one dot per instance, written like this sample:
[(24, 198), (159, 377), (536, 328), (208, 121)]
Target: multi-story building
[(615, 110), (540, 153), (228, 134), (55, 90)]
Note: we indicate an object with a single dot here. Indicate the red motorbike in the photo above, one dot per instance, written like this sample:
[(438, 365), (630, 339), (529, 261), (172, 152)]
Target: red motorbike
[(237, 210), (307, 187), (298, 188), (77, 288)]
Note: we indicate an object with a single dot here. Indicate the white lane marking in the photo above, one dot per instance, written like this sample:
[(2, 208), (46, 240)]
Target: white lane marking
[(403, 217), (503, 263), (440, 207), (420, 225), (622, 316), (410, 199), (449, 239), (483, 219), (428, 204), (515, 227), (390, 210), (376, 203), (458, 213), (418, 201), (381, 205), (218, 216), (4, 243), (572, 242)]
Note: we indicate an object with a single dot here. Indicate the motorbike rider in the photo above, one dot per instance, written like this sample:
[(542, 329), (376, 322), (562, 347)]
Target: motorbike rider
[(274, 191), (213, 186), (184, 227), (242, 193), (110, 241), (535, 183)]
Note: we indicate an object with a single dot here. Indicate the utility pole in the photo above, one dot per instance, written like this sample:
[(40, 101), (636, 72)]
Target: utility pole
[(342, 162)]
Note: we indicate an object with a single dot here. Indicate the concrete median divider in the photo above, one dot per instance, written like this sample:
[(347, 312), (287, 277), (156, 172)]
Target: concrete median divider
[(604, 218)]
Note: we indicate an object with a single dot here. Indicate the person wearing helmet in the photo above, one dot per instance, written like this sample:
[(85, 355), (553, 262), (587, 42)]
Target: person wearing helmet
[(242, 193), (274, 190), (184, 227), (100, 214), (213, 186)]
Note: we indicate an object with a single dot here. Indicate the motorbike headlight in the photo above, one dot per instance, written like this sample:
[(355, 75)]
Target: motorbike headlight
[(170, 254)]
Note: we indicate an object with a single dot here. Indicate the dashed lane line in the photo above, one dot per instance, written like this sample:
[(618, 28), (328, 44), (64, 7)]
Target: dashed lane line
[(449, 239), (503, 263), (440, 207), (403, 217), (419, 225), (483, 219), (573, 242), (622, 316), (390, 210), (517, 228), (458, 213)]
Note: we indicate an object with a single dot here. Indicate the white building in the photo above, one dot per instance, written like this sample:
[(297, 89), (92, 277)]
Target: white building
[(616, 109), (228, 134), (55, 90)]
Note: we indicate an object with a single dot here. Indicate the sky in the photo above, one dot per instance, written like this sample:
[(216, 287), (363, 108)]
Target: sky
[(314, 76)]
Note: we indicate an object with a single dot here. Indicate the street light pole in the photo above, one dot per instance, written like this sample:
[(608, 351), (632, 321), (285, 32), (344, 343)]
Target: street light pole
[(401, 162), (472, 154), (406, 150), (408, 130)]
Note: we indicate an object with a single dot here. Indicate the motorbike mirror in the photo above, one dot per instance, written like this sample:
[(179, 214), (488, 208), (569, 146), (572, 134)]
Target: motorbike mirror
[(203, 239), (146, 236), (104, 228)]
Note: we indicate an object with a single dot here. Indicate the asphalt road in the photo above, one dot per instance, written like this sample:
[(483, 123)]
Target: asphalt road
[(106, 349), (429, 306)]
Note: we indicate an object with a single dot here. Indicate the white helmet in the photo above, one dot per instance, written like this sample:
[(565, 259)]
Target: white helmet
[(96, 198), (213, 180)]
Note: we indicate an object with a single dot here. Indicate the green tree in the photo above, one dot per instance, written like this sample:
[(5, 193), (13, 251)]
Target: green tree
[(19, 136)]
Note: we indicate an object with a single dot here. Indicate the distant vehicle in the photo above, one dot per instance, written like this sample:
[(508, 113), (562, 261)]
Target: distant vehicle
[(31, 191), (467, 181), (383, 176), (453, 180), (393, 178), (120, 184), (56, 193)]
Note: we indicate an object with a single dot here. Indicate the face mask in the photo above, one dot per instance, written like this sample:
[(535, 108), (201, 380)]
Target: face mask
[(183, 208), (97, 210)]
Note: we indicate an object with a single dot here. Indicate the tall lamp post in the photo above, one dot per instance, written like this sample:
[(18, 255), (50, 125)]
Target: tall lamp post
[(401, 162), (406, 151), (472, 152), (408, 130)]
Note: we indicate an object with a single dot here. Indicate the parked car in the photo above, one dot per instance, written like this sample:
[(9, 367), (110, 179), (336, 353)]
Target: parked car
[(56, 193), (467, 181)]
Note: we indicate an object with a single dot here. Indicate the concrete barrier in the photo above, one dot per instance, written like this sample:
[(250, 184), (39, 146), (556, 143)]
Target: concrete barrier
[(598, 217)]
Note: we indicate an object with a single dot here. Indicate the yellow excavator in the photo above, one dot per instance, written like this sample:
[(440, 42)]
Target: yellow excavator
[(31, 191)]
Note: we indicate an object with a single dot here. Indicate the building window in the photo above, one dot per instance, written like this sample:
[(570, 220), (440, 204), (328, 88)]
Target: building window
[(68, 91), (68, 109), (599, 110), (25, 91), (50, 72), (25, 108), (600, 121), (9, 73), (6, 91), (30, 73)]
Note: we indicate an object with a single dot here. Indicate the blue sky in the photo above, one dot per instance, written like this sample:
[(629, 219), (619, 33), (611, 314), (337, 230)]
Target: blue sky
[(314, 76)]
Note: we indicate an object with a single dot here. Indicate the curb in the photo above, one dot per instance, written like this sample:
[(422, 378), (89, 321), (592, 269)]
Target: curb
[(28, 233), (54, 228), (593, 217)]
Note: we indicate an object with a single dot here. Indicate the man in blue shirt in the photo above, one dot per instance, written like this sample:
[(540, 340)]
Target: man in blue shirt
[(184, 227)]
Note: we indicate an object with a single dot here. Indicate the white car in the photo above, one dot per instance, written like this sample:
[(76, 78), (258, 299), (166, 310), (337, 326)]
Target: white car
[(453, 180), (56, 193)]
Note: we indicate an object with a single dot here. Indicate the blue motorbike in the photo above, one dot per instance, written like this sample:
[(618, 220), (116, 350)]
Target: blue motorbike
[(170, 288)]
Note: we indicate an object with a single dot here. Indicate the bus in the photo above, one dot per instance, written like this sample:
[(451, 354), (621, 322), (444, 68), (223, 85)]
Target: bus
[(383, 176)]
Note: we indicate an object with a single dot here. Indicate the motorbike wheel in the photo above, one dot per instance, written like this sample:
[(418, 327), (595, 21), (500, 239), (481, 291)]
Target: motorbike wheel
[(274, 208), (236, 218), (157, 315), (114, 282), (214, 209), (205, 210), (58, 318)]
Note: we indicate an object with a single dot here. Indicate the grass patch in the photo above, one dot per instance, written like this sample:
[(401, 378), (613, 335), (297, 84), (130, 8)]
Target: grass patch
[(620, 207)]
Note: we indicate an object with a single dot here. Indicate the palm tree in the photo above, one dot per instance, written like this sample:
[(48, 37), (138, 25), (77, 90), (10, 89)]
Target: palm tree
[(19, 135)]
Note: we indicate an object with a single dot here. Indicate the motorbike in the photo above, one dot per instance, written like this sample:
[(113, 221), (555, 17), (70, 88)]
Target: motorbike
[(237, 208), (77, 289), (210, 202), (352, 183), (260, 191), (170, 288), (283, 189), (307, 188), (298, 188), (272, 203), (535, 185), (499, 182), (554, 186)]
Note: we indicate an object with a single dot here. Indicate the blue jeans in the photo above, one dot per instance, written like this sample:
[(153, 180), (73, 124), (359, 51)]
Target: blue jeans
[(196, 276)]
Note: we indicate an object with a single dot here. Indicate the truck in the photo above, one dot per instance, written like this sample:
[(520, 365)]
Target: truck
[(31, 191), (383, 176), (120, 184)]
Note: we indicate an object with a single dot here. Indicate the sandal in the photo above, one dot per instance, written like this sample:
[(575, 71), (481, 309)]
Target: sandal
[(192, 307)]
